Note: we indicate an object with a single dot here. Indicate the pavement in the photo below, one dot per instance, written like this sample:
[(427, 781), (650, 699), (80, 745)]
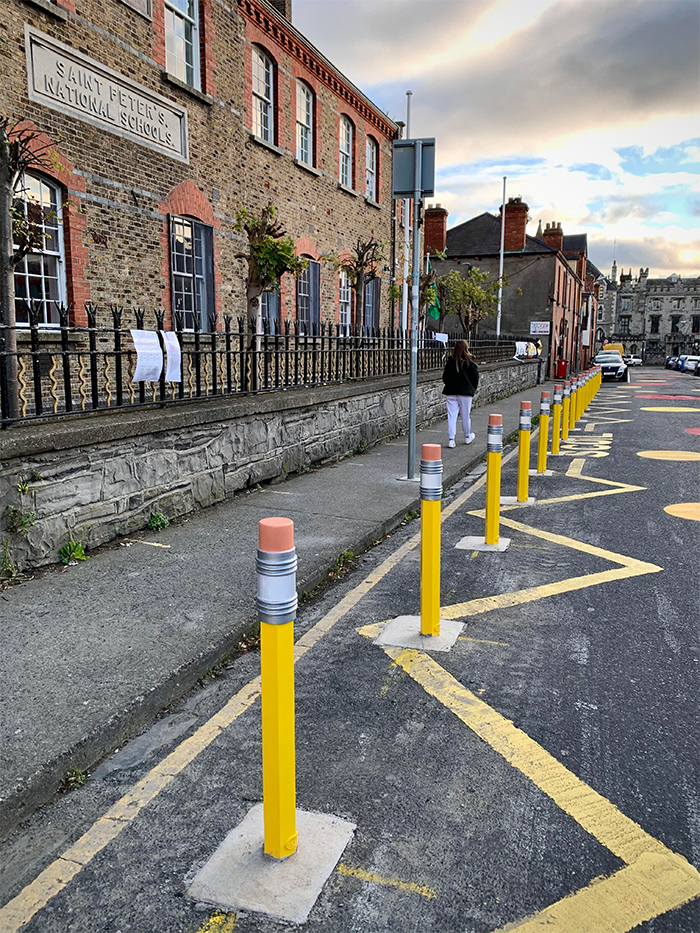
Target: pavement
[(543, 774), (94, 652)]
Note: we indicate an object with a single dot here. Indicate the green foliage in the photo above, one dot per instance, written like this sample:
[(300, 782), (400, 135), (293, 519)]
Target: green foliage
[(35, 477), (19, 521), (270, 252), (360, 447), (158, 521), (74, 778), (74, 550), (343, 565), (472, 296), (22, 485), (8, 568), (394, 292)]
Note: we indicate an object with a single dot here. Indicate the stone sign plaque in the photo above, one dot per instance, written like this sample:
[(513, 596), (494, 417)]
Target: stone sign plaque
[(62, 78)]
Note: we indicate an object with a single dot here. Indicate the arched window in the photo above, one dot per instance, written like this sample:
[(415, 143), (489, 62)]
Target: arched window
[(192, 271), (305, 123), (40, 276), (345, 147), (263, 97), (371, 169), (309, 298)]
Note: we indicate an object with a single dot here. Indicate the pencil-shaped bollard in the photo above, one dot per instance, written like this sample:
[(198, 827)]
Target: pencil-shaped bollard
[(556, 419), (431, 496), (587, 393), (566, 403), (277, 606), (544, 434), (524, 450), (494, 450), (581, 396), (572, 406)]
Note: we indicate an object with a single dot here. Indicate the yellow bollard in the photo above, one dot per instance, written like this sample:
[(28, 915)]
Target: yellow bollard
[(277, 604), (494, 449), (556, 419), (524, 451), (565, 411), (572, 406), (431, 496), (544, 434)]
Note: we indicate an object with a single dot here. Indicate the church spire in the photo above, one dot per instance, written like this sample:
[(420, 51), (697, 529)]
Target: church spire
[(539, 229)]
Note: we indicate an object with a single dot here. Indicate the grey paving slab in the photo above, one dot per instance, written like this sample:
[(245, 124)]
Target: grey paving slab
[(91, 653)]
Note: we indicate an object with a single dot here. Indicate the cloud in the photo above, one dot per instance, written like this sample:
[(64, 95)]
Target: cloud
[(592, 170), (659, 254), (682, 157)]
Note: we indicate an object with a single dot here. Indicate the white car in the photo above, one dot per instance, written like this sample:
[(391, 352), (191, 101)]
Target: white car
[(690, 364), (633, 360)]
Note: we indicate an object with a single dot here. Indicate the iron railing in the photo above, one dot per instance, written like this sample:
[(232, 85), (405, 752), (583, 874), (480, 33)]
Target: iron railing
[(63, 369)]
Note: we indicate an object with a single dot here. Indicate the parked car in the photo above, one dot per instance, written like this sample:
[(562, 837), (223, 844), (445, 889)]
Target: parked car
[(612, 365), (690, 364), (632, 360), (671, 362)]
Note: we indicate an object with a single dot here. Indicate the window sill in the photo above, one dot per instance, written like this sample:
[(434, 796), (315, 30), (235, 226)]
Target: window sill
[(355, 194), (167, 78), (265, 144), (308, 168), (372, 203), (51, 8)]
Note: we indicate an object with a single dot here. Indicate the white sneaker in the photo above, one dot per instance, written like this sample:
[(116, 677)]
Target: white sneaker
[(470, 438), (451, 442)]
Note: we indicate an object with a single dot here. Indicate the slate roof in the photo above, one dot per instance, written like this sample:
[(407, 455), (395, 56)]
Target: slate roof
[(592, 269), (481, 236), (574, 244)]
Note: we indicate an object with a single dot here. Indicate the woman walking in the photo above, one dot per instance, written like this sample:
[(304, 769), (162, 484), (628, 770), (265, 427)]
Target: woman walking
[(461, 378)]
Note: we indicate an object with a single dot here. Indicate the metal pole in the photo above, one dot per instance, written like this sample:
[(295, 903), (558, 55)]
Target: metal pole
[(415, 279), (406, 234), (500, 261)]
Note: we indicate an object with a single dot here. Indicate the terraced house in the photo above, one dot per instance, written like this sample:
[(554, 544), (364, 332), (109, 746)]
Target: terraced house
[(163, 118)]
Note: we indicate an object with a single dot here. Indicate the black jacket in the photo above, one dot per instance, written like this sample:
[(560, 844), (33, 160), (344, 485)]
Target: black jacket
[(460, 382)]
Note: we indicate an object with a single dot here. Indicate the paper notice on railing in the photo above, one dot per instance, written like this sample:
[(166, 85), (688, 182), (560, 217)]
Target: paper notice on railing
[(441, 338), (173, 356), (149, 356)]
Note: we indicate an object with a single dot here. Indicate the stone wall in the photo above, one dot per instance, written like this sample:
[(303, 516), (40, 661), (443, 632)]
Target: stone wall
[(95, 477)]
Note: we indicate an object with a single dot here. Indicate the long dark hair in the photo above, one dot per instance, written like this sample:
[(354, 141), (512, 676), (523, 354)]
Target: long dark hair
[(461, 353)]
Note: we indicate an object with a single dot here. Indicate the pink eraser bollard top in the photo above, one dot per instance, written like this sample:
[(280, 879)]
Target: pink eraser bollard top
[(431, 452), (545, 395), (276, 534), (495, 419), (525, 405)]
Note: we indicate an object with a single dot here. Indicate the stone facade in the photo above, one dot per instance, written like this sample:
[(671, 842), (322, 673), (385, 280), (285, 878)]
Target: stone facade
[(103, 476), (652, 317), (118, 195)]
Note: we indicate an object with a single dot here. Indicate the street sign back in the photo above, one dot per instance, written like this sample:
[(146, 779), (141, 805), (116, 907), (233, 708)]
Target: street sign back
[(402, 176)]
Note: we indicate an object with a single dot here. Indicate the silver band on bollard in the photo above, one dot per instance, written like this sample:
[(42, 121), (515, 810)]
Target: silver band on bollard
[(567, 391), (544, 406), (277, 586), (494, 438), (525, 419), (430, 480), (557, 396)]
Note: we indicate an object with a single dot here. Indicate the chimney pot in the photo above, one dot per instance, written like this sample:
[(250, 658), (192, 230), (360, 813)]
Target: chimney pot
[(515, 225), (435, 229)]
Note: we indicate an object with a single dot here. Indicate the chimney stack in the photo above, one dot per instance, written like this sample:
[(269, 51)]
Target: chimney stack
[(515, 227), (435, 229), (284, 7), (554, 236)]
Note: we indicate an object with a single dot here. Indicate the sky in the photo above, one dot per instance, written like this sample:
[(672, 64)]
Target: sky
[(591, 108)]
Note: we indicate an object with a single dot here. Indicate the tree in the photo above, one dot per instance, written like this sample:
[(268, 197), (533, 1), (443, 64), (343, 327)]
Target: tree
[(21, 149), (270, 254), (472, 297), (360, 262)]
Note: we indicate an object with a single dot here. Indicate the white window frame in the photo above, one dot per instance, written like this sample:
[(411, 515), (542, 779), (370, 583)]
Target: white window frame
[(344, 302), (624, 324), (21, 271), (185, 12), (263, 87), (193, 271), (371, 169), (345, 152), (305, 124)]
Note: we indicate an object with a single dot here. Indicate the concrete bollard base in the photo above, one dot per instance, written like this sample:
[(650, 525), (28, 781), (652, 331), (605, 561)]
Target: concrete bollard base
[(513, 500), (546, 473), (404, 632), (475, 543), (239, 876)]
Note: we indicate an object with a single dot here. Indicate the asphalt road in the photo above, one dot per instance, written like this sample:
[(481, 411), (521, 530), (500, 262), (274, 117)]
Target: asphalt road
[(551, 754)]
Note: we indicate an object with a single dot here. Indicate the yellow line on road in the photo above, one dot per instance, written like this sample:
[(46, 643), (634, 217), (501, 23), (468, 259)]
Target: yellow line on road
[(219, 923), (484, 641), (374, 878), (32, 898)]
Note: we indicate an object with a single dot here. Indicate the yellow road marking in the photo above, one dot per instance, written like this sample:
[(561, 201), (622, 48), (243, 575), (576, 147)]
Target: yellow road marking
[(219, 923), (629, 567), (685, 510), (671, 408), (374, 878), (32, 898), (679, 455), (656, 879), (484, 641), (575, 469), (149, 543)]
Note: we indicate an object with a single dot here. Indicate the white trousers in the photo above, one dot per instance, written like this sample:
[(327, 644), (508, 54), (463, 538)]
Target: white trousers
[(456, 405)]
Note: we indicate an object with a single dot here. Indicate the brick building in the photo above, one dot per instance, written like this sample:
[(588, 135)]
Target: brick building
[(164, 118), (550, 269), (655, 318)]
